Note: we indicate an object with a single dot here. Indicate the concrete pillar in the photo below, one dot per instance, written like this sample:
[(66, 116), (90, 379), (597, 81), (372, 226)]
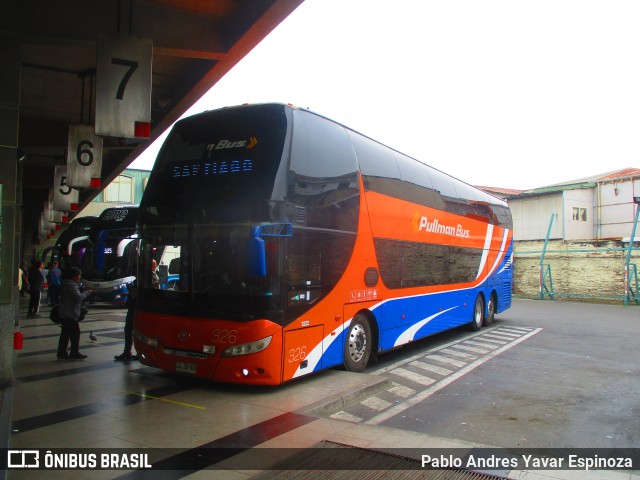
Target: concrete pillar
[(10, 215)]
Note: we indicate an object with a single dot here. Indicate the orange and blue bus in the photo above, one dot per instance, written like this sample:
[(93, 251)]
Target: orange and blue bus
[(300, 245)]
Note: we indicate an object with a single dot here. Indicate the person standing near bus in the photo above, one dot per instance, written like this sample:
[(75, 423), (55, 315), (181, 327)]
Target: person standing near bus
[(54, 280), (128, 325), (69, 310), (155, 279), (24, 277), (36, 285)]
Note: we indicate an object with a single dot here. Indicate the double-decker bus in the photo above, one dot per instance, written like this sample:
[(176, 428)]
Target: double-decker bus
[(300, 244), (72, 244), (109, 268)]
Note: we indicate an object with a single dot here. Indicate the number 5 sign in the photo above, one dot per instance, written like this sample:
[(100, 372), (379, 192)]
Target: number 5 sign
[(63, 195), (123, 86)]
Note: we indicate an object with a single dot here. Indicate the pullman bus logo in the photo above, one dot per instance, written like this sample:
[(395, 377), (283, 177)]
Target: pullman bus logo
[(225, 144), (421, 223)]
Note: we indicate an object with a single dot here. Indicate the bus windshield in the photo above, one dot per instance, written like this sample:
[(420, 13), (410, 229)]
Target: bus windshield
[(117, 255), (211, 272), (213, 182), (112, 238)]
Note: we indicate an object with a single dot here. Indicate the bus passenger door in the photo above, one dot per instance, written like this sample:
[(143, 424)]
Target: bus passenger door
[(333, 342), (302, 351)]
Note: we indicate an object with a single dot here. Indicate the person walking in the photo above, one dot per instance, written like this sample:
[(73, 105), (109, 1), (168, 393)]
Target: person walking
[(69, 310), (36, 285)]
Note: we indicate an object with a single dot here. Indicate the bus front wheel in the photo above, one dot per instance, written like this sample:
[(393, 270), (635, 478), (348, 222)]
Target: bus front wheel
[(357, 347), (478, 315)]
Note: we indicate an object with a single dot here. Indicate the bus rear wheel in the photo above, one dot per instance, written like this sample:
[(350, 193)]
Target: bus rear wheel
[(357, 347), (491, 309), (478, 315)]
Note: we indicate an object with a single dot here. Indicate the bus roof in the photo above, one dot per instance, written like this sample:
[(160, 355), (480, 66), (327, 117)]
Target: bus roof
[(483, 195)]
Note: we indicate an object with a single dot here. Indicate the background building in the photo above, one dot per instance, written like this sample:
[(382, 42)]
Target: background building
[(589, 224), (126, 189)]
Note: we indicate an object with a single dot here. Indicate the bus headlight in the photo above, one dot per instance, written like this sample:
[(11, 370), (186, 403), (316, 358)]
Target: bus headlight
[(246, 348), (152, 342)]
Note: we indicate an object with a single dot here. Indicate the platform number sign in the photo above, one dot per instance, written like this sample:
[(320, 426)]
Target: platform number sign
[(123, 86), (84, 157), (63, 195)]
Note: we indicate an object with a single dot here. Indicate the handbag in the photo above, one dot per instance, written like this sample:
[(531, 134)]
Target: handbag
[(54, 316)]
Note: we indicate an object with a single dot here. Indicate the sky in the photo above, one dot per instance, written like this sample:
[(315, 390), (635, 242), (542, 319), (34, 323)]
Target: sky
[(502, 93)]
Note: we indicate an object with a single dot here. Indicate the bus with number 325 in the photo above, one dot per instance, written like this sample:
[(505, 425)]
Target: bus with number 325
[(300, 245)]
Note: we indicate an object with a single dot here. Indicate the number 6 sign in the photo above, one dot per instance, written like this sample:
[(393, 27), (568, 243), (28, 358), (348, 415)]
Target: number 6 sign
[(123, 86), (84, 157)]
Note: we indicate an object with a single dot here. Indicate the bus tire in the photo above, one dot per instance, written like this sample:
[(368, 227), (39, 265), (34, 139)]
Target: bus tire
[(357, 345), (491, 309), (478, 314)]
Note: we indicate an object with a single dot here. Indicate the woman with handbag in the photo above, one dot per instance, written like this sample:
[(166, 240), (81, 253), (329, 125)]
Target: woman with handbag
[(70, 311)]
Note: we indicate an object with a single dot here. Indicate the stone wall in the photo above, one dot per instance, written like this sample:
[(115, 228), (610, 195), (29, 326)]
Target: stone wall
[(587, 269)]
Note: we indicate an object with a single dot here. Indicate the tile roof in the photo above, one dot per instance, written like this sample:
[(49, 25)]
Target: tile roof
[(567, 185)]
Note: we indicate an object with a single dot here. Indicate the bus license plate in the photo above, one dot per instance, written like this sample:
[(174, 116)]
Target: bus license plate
[(185, 367)]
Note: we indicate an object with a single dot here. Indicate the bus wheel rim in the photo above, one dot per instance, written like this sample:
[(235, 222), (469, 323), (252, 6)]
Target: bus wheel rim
[(477, 317), (357, 343)]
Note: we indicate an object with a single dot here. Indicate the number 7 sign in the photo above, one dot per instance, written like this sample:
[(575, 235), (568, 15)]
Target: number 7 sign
[(123, 86)]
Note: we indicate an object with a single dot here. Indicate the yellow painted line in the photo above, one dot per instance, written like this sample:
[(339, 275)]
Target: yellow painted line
[(151, 397)]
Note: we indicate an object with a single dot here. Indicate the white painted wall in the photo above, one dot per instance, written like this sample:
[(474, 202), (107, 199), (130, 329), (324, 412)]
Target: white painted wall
[(579, 229), (617, 210), (531, 216)]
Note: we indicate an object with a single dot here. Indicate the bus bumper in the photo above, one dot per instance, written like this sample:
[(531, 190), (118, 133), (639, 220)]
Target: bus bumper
[(260, 368)]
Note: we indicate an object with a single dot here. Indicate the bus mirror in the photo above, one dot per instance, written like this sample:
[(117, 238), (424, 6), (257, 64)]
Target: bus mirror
[(256, 257)]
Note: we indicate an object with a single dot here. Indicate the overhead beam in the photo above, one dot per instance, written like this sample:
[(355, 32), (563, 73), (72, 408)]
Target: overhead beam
[(247, 42), (184, 53)]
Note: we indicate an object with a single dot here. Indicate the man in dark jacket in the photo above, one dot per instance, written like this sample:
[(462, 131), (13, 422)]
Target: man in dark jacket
[(69, 310), (36, 285)]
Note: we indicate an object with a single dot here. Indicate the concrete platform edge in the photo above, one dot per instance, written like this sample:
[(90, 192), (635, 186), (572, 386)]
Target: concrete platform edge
[(339, 401)]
